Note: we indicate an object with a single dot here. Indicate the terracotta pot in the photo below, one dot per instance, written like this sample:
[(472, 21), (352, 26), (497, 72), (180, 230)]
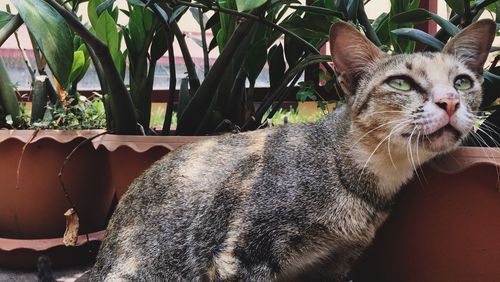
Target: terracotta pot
[(24, 253), (129, 156), (444, 227), (32, 203)]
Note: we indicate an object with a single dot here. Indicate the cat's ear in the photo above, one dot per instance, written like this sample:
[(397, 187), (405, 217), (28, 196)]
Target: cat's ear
[(472, 45), (351, 53)]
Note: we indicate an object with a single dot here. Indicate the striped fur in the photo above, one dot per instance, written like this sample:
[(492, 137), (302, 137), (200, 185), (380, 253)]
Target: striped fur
[(294, 202)]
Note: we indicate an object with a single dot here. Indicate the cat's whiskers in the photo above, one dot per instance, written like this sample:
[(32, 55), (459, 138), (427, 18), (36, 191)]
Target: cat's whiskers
[(389, 146), (378, 127), (397, 127), (418, 158), (409, 153)]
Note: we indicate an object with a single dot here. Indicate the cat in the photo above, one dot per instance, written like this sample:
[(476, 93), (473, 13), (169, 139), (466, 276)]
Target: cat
[(299, 202)]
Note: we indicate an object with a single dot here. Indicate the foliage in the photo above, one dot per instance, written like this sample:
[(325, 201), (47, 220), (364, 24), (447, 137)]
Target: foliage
[(283, 34), (86, 114)]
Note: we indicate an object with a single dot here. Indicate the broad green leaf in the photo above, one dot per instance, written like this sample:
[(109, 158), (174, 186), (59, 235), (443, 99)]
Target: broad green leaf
[(277, 66), (107, 31), (92, 11), (196, 17), (378, 21), (420, 36), (86, 65), (8, 98), (212, 21), (457, 6), (318, 11), (104, 6), (247, 5), (136, 3), (352, 9), (52, 35), (4, 18), (159, 45), (177, 14), (258, 57), (411, 16), (137, 31), (78, 65), (184, 96), (227, 24), (421, 15), (119, 60), (293, 51), (310, 60)]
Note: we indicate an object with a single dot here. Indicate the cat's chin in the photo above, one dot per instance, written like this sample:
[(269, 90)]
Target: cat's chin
[(442, 140)]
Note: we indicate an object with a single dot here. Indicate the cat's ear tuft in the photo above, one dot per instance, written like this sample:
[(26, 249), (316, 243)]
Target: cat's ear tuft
[(472, 45), (351, 53)]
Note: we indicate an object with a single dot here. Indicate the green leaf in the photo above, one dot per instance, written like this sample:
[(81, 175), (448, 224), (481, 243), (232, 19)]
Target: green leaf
[(419, 36), (4, 18), (52, 35), (310, 60), (258, 57), (119, 60), (352, 9), (8, 98), (104, 6), (106, 31), (277, 66), (457, 6), (159, 45), (184, 96), (379, 20), (247, 5), (293, 51), (178, 12), (412, 16), (78, 65), (421, 15), (318, 11), (136, 3), (92, 11)]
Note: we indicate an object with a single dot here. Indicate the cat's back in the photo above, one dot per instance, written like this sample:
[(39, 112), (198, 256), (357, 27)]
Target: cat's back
[(189, 202)]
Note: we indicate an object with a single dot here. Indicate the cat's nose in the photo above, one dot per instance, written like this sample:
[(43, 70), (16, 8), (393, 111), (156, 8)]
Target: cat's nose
[(449, 104), (446, 98)]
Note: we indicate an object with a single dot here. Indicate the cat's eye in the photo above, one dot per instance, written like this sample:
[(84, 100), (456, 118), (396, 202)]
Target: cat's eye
[(463, 83), (400, 83)]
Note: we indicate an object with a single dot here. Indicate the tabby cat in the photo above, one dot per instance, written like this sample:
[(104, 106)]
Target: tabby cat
[(299, 202)]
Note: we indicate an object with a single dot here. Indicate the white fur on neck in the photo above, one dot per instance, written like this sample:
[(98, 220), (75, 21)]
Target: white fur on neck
[(391, 174)]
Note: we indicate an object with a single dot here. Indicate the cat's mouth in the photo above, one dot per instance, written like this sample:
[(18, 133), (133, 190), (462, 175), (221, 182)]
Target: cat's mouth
[(443, 130)]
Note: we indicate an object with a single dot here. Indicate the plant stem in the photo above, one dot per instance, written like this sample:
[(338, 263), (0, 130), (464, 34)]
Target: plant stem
[(25, 57), (173, 83), (191, 118), (370, 33), (194, 81), (123, 112), (10, 28), (262, 20), (36, 53), (203, 42)]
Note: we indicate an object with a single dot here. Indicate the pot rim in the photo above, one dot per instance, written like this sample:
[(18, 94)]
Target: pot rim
[(110, 142), (464, 158), (9, 244)]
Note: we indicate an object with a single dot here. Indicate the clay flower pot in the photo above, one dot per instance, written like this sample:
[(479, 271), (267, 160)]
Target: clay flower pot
[(32, 203), (445, 226), (130, 155)]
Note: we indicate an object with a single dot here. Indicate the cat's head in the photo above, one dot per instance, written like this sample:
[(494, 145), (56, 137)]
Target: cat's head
[(422, 101)]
